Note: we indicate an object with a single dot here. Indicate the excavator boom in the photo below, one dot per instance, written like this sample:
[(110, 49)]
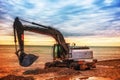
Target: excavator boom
[(53, 33), (28, 59)]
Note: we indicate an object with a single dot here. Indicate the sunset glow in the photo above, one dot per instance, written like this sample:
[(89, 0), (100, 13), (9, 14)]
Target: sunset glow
[(80, 41)]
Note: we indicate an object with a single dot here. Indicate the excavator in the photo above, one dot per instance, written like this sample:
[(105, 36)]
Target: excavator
[(63, 54)]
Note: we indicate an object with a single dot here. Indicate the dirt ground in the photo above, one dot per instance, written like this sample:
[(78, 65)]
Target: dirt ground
[(109, 69)]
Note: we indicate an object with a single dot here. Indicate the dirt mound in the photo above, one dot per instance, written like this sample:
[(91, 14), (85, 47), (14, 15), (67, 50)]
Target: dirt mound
[(114, 62), (13, 77), (59, 71)]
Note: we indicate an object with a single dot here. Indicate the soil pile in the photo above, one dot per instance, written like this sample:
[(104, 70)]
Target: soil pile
[(115, 63), (57, 70), (13, 77)]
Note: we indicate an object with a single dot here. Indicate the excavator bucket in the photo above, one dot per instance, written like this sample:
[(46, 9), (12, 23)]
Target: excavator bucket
[(27, 60)]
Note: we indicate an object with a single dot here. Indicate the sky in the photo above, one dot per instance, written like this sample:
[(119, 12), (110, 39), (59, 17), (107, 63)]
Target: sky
[(84, 22)]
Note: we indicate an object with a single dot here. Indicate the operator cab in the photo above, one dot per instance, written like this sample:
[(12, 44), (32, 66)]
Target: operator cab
[(75, 52)]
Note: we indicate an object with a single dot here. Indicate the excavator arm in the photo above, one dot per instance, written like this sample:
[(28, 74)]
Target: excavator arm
[(50, 32), (28, 59)]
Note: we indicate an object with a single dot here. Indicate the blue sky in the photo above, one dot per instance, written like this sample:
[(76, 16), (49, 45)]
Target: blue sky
[(71, 17)]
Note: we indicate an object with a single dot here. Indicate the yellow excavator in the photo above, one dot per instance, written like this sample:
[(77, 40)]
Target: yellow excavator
[(63, 54)]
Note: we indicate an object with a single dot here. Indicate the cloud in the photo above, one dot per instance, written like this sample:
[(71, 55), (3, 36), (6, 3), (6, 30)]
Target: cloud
[(72, 18)]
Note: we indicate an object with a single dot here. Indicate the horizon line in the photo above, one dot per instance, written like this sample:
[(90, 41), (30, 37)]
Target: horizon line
[(52, 45)]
